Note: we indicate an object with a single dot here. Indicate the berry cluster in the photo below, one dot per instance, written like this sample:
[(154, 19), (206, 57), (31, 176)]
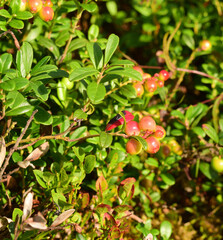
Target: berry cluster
[(149, 83), (147, 129), (42, 7)]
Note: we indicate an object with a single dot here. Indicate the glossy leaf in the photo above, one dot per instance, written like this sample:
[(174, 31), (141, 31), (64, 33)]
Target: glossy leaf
[(40, 90), (89, 163), (25, 107), (24, 15), (206, 169), (111, 46), (82, 73), (95, 54), (17, 24), (5, 13), (5, 62), (8, 85), (96, 92), (211, 132), (105, 139), (168, 178), (80, 114), (43, 117), (165, 229)]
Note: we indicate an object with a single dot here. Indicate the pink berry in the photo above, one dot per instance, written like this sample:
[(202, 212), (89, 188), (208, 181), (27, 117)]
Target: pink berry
[(132, 128), (46, 14), (133, 146), (153, 145), (147, 123), (164, 75)]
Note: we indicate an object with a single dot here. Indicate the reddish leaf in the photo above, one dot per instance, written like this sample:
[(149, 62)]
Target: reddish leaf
[(114, 233), (109, 220), (101, 184), (85, 200), (126, 189), (103, 208)]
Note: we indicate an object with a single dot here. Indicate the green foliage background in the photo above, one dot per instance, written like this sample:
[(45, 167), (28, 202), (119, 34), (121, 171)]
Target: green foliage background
[(94, 45)]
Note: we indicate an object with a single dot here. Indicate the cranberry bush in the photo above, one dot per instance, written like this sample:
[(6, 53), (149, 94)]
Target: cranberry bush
[(111, 119)]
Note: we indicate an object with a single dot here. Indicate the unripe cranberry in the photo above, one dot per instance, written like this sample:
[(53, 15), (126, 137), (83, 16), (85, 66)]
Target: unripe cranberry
[(132, 128), (139, 89), (164, 75), (34, 5), (153, 145), (47, 3), (205, 45), (150, 85), (46, 14), (139, 69), (23, 5), (133, 146), (160, 132), (160, 83), (146, 76), (147, 123)]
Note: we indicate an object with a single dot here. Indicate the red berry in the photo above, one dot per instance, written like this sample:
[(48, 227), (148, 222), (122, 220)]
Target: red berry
[(133, 146), (150, 85), (139, 69), (132, 128), (139, 89), (160, 83), (146, 76), (153, 145), (205, 45), (160, 132), (34, 5), (147, 123), (164, 75), (47, 3), (46, 14)]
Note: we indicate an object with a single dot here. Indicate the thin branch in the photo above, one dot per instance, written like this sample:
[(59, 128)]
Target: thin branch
[(11, 151), (16, 42)]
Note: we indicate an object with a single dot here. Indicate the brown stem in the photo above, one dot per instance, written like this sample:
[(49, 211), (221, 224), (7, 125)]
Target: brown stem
[(11, 151), (16, 42)]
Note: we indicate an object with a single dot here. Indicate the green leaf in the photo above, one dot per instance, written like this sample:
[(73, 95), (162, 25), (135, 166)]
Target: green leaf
[(76, 44), (165, 229), (16, 211), (119, 99), (127, 72), (128, 91), (189, 41), (79, 132), (5, 62), (21, 109), (194, 111), (211, 132), (89, 163), (62, 38), (142, 141), (24, 59), (93, 32), (215, 111), (105, 139), (24, 15), (5, 13), (95, 54), (79, 153), (221, 124), (80, 114), (168, 178), (177, 114), (8, 85), (111, 46), (49, 44), (208, 171), (81, 73), (20, 83), (152, 162), (15, 5), (90, 7), (42, 62), (43, 117), (39, 177), (122, 62), (17, 97), (40, 90), (44, 69), (17, 24), (96, 92)]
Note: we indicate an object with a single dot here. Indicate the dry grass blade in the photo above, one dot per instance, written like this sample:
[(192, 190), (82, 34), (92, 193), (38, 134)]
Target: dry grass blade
[(65, 215), (2, 150), (27, 208)]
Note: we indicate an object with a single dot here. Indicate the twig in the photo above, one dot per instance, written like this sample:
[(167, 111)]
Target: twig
[(11, 151), (13, 36)]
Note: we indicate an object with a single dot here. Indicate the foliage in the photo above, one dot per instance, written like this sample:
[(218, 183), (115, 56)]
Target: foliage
[(62, 175)]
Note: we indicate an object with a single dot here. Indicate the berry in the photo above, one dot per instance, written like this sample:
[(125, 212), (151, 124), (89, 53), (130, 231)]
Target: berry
[(160, 132), (139, 89), (139, 69), (150, 85), (147, 123), (133, 146), (205, 45), (160, 83), (132, 128), (164, 75), (175, 147), (47, 3), (46, 14), (153, 145), (69, 85), (23, 5), (217, 164), (34, 5), (146, 76)]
